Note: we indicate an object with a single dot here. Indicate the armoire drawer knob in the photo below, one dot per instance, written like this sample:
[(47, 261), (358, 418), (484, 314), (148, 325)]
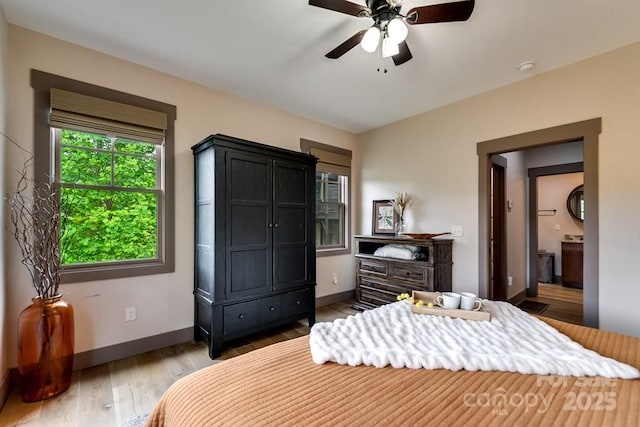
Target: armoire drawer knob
[(241, 316), (271, 308)]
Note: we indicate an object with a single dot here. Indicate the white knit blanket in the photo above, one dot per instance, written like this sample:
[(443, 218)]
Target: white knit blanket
[(513, 341)]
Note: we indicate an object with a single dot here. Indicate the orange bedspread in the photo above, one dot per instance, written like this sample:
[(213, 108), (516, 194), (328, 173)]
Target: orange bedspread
[(280, 385)]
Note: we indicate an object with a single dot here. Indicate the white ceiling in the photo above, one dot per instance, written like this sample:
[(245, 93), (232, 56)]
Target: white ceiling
[(272, 51)]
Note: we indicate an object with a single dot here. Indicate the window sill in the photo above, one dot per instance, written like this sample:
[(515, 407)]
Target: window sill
[(332, 252), (114, 271)]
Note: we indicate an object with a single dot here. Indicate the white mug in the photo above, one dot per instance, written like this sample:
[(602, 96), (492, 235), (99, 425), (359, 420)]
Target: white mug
[(468, 301), (448, 300)]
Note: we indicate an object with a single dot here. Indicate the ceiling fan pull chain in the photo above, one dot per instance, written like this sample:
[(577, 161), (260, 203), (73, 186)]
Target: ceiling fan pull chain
[(381, 62)]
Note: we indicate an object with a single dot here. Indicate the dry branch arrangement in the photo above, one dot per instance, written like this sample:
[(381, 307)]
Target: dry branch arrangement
[(400, 203), (36, 223)]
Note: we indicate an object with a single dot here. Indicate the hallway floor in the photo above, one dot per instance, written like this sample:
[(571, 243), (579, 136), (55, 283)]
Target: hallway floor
[(564, 303)]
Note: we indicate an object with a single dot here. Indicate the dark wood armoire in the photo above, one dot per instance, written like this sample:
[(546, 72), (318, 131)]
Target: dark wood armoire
[(254, 238)]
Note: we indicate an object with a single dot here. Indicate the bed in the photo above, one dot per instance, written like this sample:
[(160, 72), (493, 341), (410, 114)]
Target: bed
[(281, 385)]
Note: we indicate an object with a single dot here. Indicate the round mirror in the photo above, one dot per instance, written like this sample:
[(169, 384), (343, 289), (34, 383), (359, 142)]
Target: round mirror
[(575, 203)]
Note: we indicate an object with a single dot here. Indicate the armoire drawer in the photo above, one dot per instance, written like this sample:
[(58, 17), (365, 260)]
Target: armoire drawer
[(270, 309), (297, 302), (238, 317)]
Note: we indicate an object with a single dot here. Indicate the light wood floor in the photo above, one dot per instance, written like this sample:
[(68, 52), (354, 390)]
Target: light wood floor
[(564, 303), (120, 392)]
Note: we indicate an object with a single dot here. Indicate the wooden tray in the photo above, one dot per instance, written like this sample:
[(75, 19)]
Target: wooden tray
[(428, 297), (423, 235)]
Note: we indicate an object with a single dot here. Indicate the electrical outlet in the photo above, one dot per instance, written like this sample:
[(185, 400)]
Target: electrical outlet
[(129, 314), (509, 280), (456, 230), (334, 279), (557, 227)]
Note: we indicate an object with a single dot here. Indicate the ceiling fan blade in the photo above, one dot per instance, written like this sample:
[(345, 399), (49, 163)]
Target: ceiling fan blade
[(342, 6), (403, 56), (347, 45), (446, 12)]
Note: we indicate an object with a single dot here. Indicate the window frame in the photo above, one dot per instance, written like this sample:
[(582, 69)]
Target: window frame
[(341, 206), (312, 147), (44, 156)]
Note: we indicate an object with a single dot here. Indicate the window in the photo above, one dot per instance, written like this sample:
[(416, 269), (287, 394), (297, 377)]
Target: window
[(110, 195), (333, 174), (330, 210), (112, 156)]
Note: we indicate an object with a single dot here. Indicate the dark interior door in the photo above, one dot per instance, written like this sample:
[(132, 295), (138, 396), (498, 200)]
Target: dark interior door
[(248, 224), (290, 234), (498, 235)]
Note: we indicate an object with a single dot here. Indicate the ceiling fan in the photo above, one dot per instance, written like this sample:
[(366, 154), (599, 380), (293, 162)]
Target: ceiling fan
[(389, 25)]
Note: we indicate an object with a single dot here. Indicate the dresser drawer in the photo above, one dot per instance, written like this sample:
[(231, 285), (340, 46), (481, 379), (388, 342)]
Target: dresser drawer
[(388, 288), (372, 267), (238, 317), (408, 273), (374, 294)]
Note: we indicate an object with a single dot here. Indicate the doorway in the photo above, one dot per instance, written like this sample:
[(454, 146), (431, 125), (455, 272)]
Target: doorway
[(588, 131), (534, 210), (498, 229)]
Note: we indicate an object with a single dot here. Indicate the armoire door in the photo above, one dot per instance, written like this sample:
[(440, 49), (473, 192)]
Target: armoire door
[(249, 224), (291, 224)]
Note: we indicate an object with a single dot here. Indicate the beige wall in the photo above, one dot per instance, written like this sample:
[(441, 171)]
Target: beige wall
[(4, 330), (553, 191), (164, 302), (433, 155)]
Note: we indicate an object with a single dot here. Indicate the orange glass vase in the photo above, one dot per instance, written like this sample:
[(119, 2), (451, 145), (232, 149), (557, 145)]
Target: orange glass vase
[(45, 348)]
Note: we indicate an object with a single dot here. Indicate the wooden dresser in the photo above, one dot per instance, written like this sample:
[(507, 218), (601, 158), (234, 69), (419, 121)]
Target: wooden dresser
[(572, 256), (379, 279)]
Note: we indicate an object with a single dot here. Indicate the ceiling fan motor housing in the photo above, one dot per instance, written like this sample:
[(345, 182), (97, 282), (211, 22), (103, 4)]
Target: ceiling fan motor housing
[(381, 11)]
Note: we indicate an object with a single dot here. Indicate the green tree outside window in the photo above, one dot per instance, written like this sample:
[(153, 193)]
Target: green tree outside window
[(110, 195)]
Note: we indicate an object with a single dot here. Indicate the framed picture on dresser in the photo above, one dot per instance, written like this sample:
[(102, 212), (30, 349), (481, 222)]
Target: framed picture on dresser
[(383, 218)]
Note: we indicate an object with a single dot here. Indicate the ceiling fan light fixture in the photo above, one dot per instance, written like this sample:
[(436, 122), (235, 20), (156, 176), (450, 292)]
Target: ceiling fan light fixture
[(371, 39), (389, 47), (397, 30)]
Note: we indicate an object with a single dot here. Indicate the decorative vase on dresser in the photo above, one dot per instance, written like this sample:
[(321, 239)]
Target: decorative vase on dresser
[(45, 348), (379, 279), (254, 238)]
